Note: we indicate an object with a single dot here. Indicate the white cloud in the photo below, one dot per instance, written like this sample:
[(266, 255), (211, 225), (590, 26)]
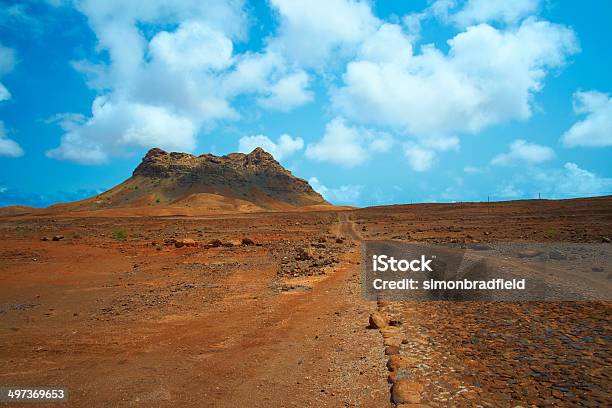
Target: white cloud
[(284, 146), (114, 127), (311, 31), (509, 12), (420, 159), (553, 183), (572, 181), (522, 151), (7, 63), (288, 93), (188, 73), (345, 194), (347, 146), (387, 44), (157, 90), (595, 130), (472, 170), (488, 76), (470, 12), (193, 45), (509, 190), (8, 147), (5, 95)]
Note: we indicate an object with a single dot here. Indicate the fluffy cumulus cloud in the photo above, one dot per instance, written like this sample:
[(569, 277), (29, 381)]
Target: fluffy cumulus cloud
[(522, 152), (7, 63), (282, 148), (311, 32), (347, 146), (479, 11), (288, 93), (116, 125), (595, 130), (464, 13), (8, 147), (569, 181), (163, 88), (345, 194), (488, 76), (575, 181), (419, 158)]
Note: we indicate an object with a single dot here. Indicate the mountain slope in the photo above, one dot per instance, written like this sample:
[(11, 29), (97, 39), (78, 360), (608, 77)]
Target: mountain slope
[(206, 183)]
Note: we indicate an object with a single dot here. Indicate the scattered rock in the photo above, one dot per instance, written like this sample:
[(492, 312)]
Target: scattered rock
[(339, 241), (597, 269), (398, 361), (392, 350), (557, 255), (377, 320), (392, 341), (406, 391), (605, 240), (247, 242), (188, 242), (215, 243), (58, 237), (529, 253), (44, 239), (303, 254), (480, 247)]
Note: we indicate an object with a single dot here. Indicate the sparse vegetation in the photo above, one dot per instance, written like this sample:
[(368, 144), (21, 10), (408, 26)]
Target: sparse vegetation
[(119, 234), (551, 233)]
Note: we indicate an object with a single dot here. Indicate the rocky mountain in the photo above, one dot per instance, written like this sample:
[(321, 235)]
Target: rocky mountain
[(235, 182)]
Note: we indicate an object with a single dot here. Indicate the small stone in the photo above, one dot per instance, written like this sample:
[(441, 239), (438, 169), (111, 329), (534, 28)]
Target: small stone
[(188, 242), (303, 254), (215, 243), (392, 341), (58, 237), (529, 253), (392, 350), (597, 269), (557, 255), (406, 391), (377, 320), (480, 247), (605, 240), (247, 242), (397, 362), (44, 239)]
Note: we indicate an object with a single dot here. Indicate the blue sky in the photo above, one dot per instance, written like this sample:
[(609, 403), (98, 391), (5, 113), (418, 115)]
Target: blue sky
[(372, 102)]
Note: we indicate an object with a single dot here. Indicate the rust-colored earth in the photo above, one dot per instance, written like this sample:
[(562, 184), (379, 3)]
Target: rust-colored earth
[(123, 312)]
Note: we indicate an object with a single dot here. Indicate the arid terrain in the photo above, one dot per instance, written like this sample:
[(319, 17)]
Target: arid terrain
[(266, 309), (227, 281)]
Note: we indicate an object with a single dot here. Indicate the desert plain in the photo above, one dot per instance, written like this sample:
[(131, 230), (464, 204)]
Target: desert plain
[(267, 309)]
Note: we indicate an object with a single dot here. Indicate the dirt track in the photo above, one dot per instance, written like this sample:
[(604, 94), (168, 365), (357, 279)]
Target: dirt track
[(251, 345)]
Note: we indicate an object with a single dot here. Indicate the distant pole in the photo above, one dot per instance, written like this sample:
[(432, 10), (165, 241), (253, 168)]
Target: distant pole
[(538, 195)]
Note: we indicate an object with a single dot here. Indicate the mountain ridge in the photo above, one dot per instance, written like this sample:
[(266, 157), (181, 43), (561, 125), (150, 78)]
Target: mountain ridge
[(236, 182)]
